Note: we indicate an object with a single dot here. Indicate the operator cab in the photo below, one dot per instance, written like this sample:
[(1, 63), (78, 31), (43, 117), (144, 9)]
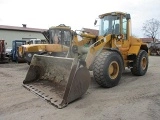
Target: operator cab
[(114, 23), (59, 35)]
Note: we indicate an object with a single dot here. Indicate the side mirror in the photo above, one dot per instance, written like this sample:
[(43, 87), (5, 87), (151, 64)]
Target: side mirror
[(128, 16), (95, 22)]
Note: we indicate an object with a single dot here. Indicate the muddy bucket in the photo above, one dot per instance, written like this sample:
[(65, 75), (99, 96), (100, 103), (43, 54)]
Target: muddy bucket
[(56, 79)]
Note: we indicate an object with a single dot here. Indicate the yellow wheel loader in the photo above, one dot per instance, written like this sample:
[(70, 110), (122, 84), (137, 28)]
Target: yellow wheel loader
[(57, 43), (62, 80)]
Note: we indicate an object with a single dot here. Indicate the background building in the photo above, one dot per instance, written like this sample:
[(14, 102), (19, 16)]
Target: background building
[(10, 33)]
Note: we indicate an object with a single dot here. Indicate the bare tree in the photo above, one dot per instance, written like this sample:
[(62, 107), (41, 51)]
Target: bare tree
[(151, 28)]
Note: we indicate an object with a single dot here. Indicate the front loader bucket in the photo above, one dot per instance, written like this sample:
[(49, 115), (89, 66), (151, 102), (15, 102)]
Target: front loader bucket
[(57, 79)]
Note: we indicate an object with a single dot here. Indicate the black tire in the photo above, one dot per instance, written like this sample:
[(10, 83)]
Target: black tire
[(104, 76), (28, 63), (140, 64)]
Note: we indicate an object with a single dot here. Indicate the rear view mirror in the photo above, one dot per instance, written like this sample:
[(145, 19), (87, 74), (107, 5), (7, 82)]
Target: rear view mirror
[(95, 22), (128, 16)]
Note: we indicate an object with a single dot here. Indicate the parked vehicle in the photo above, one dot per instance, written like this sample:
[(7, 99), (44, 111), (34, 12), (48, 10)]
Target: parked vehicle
[(3, 57), (9, 52), (36, 41), (15, 45), (57, 43)]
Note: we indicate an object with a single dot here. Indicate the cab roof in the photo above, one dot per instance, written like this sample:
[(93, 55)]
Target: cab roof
[(61, 26), (112, 13)]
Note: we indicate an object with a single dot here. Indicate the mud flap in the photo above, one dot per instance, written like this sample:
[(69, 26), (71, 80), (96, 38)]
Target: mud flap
[(56, 79)]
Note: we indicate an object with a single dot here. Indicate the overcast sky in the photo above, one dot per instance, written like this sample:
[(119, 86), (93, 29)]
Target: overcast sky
[(75, 13)]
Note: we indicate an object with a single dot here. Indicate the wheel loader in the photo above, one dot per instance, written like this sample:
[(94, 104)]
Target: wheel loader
[(52, 46), (62, 80)]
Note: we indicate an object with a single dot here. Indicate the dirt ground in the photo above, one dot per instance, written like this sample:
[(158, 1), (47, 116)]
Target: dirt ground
[(135, 98)]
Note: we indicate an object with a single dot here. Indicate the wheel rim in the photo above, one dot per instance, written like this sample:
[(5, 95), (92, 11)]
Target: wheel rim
[(113, 70), (144, 63)]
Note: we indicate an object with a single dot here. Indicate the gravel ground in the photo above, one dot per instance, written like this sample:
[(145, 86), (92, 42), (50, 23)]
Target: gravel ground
[(135, 98)]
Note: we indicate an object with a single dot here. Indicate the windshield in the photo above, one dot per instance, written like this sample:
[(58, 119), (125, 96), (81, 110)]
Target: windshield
[(109, 25), (60, 36)]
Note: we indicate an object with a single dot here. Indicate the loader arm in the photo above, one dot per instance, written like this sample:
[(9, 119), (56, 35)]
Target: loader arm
[(95, 48), (85, 40)]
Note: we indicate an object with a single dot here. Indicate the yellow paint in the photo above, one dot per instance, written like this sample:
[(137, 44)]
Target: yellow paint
[(34, 47), (113, 70), (133, 50), (56, 48), (100, 44)]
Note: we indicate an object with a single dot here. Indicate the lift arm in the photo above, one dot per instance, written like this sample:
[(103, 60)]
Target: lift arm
[(95, 48)]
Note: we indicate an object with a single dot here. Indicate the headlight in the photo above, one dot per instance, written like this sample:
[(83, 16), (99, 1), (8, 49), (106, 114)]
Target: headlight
[(29, 55)]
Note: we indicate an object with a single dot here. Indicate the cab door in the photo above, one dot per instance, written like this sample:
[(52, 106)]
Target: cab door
[(121, 40), (124, 34)]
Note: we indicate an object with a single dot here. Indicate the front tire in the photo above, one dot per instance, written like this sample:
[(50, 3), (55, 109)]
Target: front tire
[(140, 64), (28, 63), (107, 69)]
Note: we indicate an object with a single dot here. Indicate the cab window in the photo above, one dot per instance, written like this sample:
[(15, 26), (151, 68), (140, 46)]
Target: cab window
[(124, 27)]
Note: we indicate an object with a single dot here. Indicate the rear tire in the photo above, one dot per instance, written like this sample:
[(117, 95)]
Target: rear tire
[(107, 69), (140, 64)]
